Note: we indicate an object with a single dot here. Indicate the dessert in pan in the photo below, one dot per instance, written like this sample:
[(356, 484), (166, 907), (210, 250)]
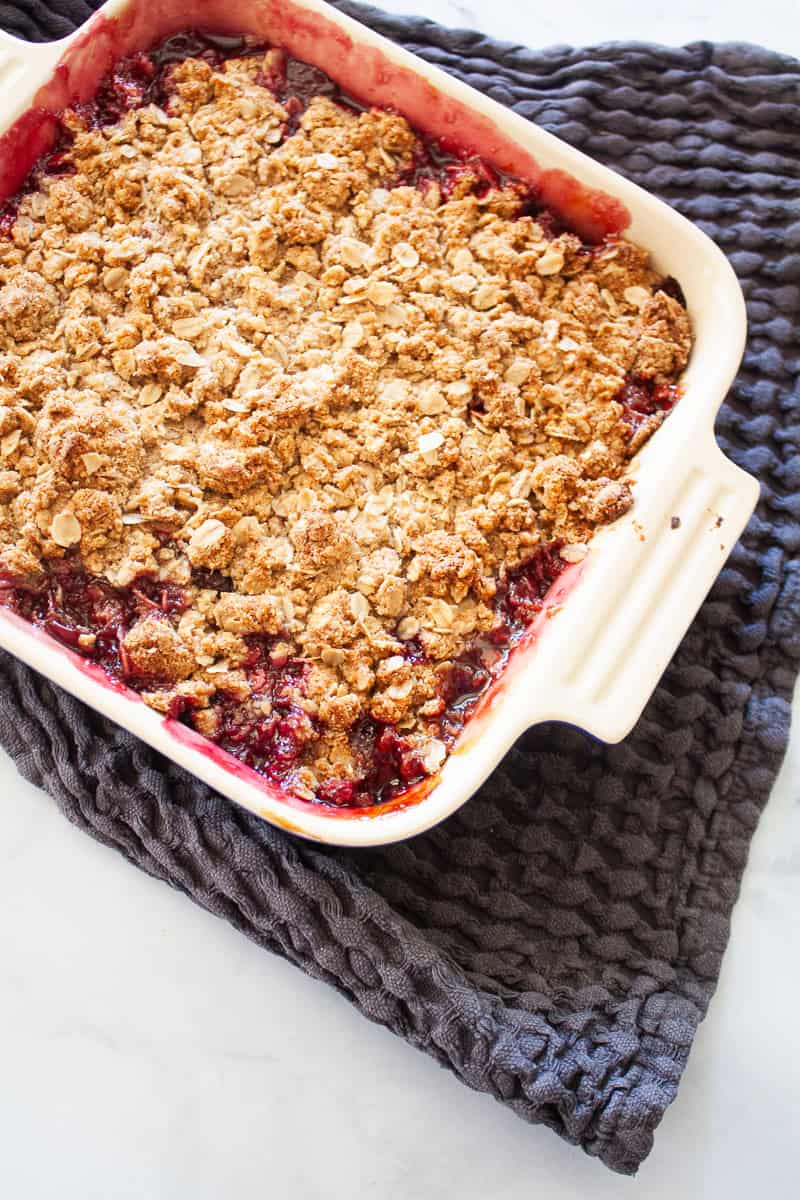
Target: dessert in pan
[(303, 413)]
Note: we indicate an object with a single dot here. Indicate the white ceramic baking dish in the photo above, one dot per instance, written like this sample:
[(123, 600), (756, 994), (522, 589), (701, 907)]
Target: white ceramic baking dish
[(592, 662)]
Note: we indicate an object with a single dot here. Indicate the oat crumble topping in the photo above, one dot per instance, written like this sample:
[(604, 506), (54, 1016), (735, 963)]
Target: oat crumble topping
[(298, 426)]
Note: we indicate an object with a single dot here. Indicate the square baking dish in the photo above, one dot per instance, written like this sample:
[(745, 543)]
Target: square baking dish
[(592, 662)]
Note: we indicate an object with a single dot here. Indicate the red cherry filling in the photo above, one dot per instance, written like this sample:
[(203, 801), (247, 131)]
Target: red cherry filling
[(8, 216), (128, 86), (343, 793), (520, 597), (445, 162), (268, 729), (271, 744), (270, 732), (522, 591), (294, 84), (389, 764), (91, 616), (642, 398)]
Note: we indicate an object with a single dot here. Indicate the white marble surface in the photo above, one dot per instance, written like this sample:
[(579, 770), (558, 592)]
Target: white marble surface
[(773, 23), (148, 1051)]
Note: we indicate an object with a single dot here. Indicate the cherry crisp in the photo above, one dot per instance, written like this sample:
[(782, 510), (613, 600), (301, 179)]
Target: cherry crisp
[(302, 413)]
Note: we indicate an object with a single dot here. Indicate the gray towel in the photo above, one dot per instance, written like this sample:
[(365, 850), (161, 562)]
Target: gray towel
[(556, 943)]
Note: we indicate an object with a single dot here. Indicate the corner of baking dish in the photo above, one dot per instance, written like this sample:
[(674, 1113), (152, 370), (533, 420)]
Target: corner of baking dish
[(593, 661)]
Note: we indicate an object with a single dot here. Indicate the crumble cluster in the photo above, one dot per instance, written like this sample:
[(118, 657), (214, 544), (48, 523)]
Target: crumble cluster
[(332, 409)]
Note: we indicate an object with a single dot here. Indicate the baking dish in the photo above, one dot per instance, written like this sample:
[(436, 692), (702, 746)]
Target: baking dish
[(593, 661)]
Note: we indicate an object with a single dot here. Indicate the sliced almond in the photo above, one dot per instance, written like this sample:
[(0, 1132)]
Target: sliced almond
[(551, 262), (432, 196), (92, 461), (352, 335), (55, 265), (382, 293), (363, 679), (431, 401), (407, 628), (405, 255), (393, 664), (188, 327), (521, 484), (463, 283), (434, 755), (441, 613), (395, 316), (637, 296), (359, 606), (462, 260), (237, 346), (518, 372), (610, 301), (237, 185), (488, 295), (65, 530), (190, 153), (10, 442), (394, 391), (115, 278), (353, 253), (332, 657), (429, 442), (274, 348), (188, 357), (156, 115), (574, 552), (150, 393), (208, 534)]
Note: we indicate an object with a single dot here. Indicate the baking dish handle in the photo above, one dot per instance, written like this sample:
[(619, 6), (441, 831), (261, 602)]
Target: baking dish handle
[(640, 593), (24, 65)]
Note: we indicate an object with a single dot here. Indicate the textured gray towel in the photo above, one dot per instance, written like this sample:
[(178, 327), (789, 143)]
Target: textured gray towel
[(556, 943)]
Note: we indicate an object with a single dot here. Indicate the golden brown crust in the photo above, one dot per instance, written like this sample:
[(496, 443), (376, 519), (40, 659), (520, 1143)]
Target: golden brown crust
[(358, 403)]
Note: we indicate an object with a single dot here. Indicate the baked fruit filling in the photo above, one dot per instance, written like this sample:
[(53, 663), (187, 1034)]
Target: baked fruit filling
[(303, 413)]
